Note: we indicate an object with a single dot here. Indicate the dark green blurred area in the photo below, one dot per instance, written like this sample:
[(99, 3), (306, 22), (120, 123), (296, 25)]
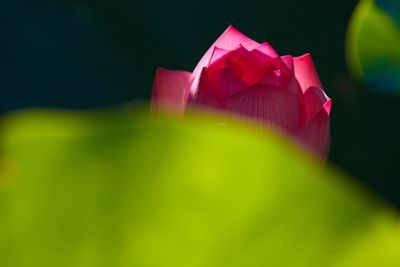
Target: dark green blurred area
[(84, 54)]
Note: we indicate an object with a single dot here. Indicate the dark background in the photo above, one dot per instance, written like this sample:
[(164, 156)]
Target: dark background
[(84, 54)]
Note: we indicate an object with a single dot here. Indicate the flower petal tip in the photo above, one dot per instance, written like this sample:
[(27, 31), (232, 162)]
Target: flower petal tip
[(327, 106)]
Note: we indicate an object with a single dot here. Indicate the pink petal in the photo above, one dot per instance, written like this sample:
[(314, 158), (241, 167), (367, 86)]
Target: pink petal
[(305, 72), (273, 78), (267, 50), (278, 72), (240, 61), (205, 96), (314, 136), (217, 55), (279, 75), (279, 63), (327, 107), (247, 66), (292, 82), (170, 90), (275, 62), (274, 107), (226, 82), (229, 40), (314, 101), (288, 60)]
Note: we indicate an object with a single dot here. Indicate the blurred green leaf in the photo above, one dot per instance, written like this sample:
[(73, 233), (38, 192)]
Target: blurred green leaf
[(120, 189), (373, 45)]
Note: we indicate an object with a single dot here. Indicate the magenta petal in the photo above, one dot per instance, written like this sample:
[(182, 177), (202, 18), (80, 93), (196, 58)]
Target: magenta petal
[(279, 72), (205, 95), (229, 40), (273, 79), (274, 107), (217, 55), (288, 60), (226, 82), (170, 90), (314, 101), (246, 65), (314, 136), (267, 49), (305, 72), (327, 106), (292, 82), (274, 63)]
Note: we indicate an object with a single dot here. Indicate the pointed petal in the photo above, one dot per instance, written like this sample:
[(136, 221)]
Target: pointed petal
[(327, 107), (204, 96), (226, 82), (170, 90), (274, 107), (288, 60), (305, 72), (217, 55), (314, 101), (247, 66), (229, 40), (292, 82), (279, 75), (278, 63), (314, 135), (284, 63), (273, 78), (240, 62), (267, 50), (278, 72)]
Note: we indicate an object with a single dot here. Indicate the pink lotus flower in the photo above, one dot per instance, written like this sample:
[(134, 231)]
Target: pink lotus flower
[(240, 76)]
